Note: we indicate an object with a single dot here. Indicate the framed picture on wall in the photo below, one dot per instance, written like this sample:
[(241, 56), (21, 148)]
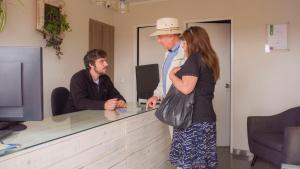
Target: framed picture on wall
[(277, 36), (44, 8)]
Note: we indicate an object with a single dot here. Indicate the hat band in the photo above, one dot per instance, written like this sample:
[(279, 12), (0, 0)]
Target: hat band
[(169, 29)]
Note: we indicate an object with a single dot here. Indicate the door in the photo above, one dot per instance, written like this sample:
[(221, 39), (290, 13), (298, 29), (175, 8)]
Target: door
[(101, 36), (220, 37), (149, 50)]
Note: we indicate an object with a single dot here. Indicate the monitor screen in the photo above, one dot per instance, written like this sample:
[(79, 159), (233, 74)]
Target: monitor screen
[(21, 88), (147, 79)]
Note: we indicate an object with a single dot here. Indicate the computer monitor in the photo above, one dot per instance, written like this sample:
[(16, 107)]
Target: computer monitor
[(21, 88), (147, 79)]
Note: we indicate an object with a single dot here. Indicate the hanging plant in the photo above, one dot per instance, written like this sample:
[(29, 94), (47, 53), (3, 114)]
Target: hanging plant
[(55, 25)]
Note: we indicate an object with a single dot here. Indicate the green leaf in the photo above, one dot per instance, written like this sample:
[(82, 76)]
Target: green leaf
[(2, 20)]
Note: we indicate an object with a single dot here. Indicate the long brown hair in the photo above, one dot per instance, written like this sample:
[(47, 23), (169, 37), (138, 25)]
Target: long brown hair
[(198, 43)]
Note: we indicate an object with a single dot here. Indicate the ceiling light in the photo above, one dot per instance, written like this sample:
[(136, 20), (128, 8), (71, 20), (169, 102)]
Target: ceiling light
[(123, 6)]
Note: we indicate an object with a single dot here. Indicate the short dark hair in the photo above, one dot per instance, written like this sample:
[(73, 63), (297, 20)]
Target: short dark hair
[(92, 55)]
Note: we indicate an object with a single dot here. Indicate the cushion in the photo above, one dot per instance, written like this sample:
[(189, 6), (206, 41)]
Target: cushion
[(271, 140)]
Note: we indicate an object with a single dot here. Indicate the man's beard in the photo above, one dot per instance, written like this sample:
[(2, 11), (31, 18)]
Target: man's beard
[(104, 70)]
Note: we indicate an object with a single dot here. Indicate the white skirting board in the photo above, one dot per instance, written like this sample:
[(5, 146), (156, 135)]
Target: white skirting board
[(287, 166)]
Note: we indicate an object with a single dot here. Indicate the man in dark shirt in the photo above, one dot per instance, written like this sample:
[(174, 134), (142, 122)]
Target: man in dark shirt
[(91, 88)]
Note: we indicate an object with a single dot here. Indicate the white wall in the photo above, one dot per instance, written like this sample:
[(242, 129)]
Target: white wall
[(263, 84), (20, 31)]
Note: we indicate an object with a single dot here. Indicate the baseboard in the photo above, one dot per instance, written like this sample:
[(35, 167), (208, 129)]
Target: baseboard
[(242, 154), (287, 166)]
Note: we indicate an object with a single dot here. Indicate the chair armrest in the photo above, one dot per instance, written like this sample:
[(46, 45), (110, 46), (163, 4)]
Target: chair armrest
[(264, 124), (291, 145)]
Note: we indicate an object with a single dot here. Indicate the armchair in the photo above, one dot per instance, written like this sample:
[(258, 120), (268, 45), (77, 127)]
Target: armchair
[(275, 138)]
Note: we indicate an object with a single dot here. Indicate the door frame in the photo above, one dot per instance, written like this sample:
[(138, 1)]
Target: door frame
[(136, 59), (215, 20), (138, 42)]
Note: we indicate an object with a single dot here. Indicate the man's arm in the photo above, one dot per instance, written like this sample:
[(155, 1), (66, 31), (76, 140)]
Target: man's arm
[(157, 95), (79, 93), (158, 92), (113, 92)]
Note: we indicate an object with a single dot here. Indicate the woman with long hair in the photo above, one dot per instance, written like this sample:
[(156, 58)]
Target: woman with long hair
[(195, 146)]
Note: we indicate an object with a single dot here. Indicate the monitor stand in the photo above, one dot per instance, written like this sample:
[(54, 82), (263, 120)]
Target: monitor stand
[(142, 101), (11, 125), (7, 128), (18, 127)]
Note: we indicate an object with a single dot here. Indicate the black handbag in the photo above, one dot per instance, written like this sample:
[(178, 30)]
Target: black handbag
[(176, 109)]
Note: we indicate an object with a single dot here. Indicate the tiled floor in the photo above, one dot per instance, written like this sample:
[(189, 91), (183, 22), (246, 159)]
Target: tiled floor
[(228, 161)]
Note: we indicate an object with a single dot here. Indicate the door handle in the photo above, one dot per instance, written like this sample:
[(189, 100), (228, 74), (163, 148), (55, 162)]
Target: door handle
[(227, 85)]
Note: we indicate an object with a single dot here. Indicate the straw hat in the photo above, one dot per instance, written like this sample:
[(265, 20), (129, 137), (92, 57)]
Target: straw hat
[(166, 26)]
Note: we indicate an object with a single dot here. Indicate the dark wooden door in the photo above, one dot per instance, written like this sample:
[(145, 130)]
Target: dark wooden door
[(101, 36)]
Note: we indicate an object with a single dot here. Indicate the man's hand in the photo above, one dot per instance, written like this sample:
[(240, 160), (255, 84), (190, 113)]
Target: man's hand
[(151, 102), (110, 104), (121, 104)]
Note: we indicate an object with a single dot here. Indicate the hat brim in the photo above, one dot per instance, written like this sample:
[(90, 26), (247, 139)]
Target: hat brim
[(166, 32)]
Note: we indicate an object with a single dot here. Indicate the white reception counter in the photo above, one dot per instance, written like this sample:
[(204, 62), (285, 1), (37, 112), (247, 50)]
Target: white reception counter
[(91, 139)]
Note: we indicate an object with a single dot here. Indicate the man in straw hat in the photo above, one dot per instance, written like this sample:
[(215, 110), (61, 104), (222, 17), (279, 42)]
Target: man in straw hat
[(167, 33)]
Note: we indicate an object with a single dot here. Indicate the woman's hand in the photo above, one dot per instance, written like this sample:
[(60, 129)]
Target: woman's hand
[(174, 70)]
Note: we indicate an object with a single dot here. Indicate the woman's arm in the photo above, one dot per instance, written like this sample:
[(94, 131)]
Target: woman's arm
[(185, 85)]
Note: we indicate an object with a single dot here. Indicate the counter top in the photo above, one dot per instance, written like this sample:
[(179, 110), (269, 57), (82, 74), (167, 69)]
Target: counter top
[(52, 128)]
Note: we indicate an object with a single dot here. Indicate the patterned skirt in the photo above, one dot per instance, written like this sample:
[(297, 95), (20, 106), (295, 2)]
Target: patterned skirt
[(195, 147)]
